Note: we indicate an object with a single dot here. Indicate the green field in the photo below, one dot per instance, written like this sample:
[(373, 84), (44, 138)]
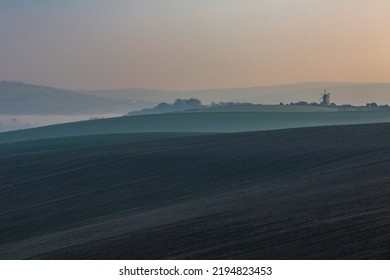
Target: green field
[(273, 108)]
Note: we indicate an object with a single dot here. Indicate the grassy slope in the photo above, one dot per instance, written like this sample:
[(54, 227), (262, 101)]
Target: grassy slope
[(273, 108), (304, 193), (250, 108), (198, 122)]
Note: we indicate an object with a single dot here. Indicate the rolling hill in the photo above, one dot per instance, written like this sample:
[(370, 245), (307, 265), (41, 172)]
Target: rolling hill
[(307, 193), (199, 121), (52, 144), (17, 98)]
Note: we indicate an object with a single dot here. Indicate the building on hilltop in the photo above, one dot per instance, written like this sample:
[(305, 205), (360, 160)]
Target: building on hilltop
[(325, 98)]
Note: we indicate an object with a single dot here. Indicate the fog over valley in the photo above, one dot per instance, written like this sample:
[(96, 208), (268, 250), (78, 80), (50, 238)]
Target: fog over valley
[(16, 122)]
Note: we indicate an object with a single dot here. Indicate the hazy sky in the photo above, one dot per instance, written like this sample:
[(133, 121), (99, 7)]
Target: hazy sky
[(191, 44)]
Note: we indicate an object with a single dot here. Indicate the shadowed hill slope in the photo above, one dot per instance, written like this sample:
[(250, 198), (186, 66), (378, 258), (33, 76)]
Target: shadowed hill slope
[(309, 193), (52, 144)]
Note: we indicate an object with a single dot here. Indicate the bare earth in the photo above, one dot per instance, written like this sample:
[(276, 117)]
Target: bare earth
[(307, 193)]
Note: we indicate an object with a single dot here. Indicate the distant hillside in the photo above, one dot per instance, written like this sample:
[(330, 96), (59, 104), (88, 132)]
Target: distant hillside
[(149, 95), (17, 98), (184, 105), (341, 93), (309, 193), (199, 122)]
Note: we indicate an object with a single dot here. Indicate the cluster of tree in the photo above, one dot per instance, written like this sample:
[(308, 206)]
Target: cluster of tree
[(368, 106), (229, 104), (180, 105), (304, 103), (372, 105)]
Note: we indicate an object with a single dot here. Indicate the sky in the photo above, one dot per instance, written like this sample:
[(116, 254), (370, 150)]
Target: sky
[(193, 44)]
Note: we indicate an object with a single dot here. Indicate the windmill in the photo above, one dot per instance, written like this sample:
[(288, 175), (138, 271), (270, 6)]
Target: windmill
[(324, 98)]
